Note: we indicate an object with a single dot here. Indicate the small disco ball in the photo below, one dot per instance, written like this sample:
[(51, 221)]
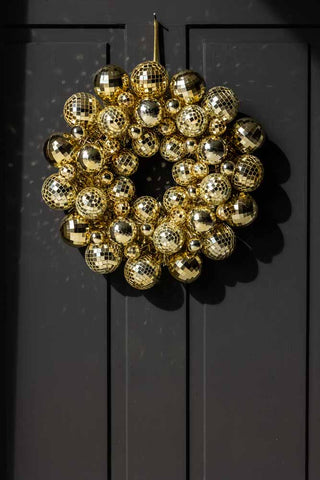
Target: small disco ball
[(121, 208), (123, 230), (168, 238), (215, 189), (219, 243), (188, 86), (183, 172), (200, 170), (113, 121), (146, 209), (125, 163), (240, 211), (142, 273), (121, 189), (126, 100), (58, 193), (175, 197), (75, 230), (173, 148), (185, 267), (192, 121), (149, 80), (247, 135), (201, 219), (81, 109), (91, 203), (148, 112), (221, 103), (248, 173), (90, 158), (167, 127), (59, 150), (211, 150), (103, 257), (146, 145), (110, 81), (173, 106)]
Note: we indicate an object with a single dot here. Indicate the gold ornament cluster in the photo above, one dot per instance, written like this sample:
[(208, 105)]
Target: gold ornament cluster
[(213, 167)]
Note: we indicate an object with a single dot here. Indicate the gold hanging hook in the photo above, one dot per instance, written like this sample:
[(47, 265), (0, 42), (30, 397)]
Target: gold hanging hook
[(156, 55)]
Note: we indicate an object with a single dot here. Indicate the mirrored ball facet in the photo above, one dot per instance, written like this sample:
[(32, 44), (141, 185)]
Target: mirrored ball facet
[(146, 209), (215, 189), (59, 150), (192, 121), (219, 243), (148, 112), (81, 109), (103, 258), (173, 148), (123, 230), (113, 121), (142, 273), (90, 158), (247, 135), (211, 150), (201, 219), (149, 80), (248, 173), (187, 86), (146, 145), (175, 197), (110, 81), (122, 189), (58, 193), (75, 230), (240, 211), (125, 163), (182, 172), (91, 203), (168, 238), (221, 103), (185, 267)]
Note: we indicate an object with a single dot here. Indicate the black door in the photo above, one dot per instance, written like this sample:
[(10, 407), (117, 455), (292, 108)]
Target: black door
[(218, 380)]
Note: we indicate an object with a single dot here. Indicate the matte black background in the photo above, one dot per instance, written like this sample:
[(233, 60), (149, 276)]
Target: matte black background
[(219, 380)]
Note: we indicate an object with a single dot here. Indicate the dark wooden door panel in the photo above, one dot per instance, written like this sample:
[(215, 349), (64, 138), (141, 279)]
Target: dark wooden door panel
[(61, 384), (199, 382), (248, 351)]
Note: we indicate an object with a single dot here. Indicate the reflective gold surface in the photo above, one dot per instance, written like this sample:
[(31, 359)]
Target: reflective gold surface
[(125, 163), (173, 148), (146, 145), (59, 150), (122, 189), (192, 121), (187, 86), (123, 230), (219, 242), (113, 121), (221, 103), (90, 158), (104, 257), (91, 203), (81, 109), (211, 150), (240, 211), (168, 238), (201, 219), (215, 188), (148, 112), (75, 230), (149, 80), (110, 81), (247, 135), (182, 172), (248, 173), (146, 209), (142, 273), (58, 193), (174, 197), (185, 267)]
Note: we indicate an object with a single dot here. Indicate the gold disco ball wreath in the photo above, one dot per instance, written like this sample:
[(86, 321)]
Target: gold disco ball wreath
[(194, 129)]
